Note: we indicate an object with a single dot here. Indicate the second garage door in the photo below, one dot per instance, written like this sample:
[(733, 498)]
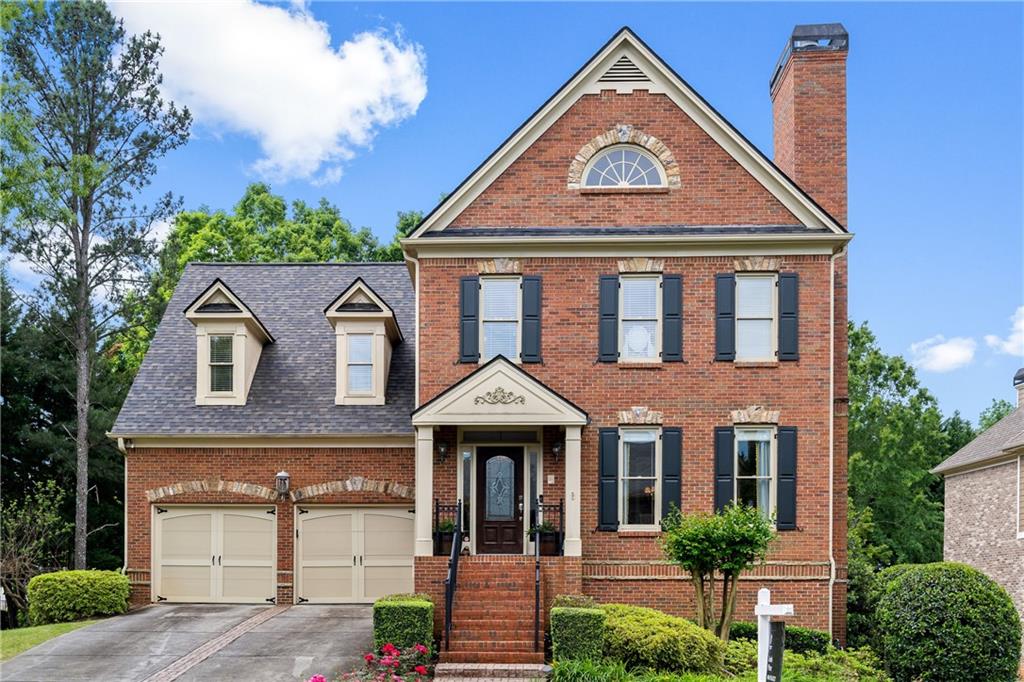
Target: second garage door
[(346, 555)]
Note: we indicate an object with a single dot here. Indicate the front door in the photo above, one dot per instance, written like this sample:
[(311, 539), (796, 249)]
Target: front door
[(499, 485)]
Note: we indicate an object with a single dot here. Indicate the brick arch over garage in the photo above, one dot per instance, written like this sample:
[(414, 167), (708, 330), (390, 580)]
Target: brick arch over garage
[(624, 134), (212, 486), (353, 484)]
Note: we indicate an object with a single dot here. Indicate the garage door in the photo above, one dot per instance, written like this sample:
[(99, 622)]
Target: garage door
[(214, 554), (352, 554)]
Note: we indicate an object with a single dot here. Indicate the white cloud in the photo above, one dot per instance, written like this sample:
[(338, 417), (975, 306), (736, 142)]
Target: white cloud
[(1014, 343), (159, 231), (270, 71), (937, 354)]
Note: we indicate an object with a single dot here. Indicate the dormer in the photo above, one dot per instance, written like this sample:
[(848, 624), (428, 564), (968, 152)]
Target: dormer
[(366, 332), (229, 341)]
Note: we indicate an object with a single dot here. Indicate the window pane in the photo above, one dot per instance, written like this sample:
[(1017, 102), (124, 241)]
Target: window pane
[(500, 339), (754, 296), (360, 348), (746, 491), (594, 177), (639, 501), (746, 458), (501, 299), (639, 298), (764, 496), (754, 339), (499, 475), (221, 378), (639, 459), (638, 339), (360, 378), (220, 348)]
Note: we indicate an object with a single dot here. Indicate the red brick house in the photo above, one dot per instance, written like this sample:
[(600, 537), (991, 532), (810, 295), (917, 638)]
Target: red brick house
[(625, 307)]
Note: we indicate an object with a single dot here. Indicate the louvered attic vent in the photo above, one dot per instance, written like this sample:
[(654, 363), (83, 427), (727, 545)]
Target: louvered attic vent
[(623, 71)]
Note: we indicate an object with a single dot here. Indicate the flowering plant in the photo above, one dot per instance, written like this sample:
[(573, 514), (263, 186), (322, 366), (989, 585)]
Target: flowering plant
[(394, 665)]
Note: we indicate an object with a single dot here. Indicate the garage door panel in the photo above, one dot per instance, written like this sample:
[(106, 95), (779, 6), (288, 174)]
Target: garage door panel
[(186, 583), (387, 536), (327, 583), (187, 537), (379, 581), (248, 538), (328, 537), (247, 583)]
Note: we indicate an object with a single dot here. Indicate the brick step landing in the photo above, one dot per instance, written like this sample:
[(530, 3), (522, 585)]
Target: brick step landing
[(490, 671), (492, 657)]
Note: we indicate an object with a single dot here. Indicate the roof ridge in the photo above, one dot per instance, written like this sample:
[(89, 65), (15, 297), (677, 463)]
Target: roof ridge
[(300, 264)]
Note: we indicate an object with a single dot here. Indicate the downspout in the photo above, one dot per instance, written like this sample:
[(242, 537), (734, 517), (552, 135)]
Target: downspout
[(416, 338), (831, 433), (124, 451)]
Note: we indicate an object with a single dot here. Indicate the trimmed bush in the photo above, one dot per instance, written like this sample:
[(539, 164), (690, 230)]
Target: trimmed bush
[(577, 633), (589, 671), (403, 620), (948, 621), (646, 638), (798, 639), (65, 596), (575, 601)]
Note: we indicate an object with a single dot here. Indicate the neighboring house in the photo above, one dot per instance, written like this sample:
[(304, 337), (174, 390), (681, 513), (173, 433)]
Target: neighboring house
[(984, 512), (625, 307)]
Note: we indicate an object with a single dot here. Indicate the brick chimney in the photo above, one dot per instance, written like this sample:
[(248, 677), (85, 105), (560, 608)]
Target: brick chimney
[(1018, 383), (808, 89)]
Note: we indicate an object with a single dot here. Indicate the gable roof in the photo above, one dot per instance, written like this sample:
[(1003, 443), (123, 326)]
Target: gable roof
[(350, 303), (293, 390), (207, 304), (642, 68), (1003, 440)]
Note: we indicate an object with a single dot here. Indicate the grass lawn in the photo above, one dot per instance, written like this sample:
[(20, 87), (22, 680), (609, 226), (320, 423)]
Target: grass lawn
[(13, 642)]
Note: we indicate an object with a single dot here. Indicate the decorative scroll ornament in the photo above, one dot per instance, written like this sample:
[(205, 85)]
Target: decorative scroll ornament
[(499, 396)]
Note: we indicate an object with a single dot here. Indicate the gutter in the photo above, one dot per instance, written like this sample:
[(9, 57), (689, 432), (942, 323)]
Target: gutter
[(124, 451), (831, 432)]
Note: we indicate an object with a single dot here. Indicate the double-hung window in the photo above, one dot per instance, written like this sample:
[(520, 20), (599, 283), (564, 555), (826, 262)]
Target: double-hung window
[(500, 313), (755, 317), (638, 482), (360, 364), (222, 363), (640, 318), (755, 469)]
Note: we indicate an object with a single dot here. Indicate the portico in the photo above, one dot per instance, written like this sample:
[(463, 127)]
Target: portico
[(501, 427)]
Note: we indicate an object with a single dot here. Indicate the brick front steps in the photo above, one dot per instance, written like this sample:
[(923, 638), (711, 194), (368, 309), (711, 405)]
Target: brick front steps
[(492, 620), (470, 672)]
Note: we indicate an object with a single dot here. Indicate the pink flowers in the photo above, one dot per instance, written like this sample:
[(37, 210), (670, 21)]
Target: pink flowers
[(421, 649), (318, 678), (392, 664)]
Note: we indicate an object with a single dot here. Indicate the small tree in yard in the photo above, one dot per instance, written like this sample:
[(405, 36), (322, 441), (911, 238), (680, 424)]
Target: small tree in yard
[(725, 544)]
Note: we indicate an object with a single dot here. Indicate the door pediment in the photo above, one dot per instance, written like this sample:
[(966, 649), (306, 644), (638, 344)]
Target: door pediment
[(499, 393)]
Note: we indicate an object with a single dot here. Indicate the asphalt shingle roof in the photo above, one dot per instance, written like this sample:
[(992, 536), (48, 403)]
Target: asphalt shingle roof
[(999, 439), (293, 389)]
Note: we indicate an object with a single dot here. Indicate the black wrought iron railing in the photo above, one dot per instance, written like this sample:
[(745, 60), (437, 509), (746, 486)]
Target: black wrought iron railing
[(445, 518), (547, 521), (536, 587), (451, 581)]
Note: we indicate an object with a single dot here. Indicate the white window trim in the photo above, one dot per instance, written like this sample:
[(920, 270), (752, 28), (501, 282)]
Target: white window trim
[(658, 320), (204, 393), (519, 317), (372, 364), (663, 178), (378, 358), (620, 488), (774, 456), (773, 355), (211, 364)]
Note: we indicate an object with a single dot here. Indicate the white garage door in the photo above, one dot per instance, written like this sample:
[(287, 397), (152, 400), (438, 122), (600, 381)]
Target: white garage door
[(352, 555), (214, 554)]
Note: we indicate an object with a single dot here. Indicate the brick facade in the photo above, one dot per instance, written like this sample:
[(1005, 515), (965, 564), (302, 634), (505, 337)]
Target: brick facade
[(982, 525), (239, 476)]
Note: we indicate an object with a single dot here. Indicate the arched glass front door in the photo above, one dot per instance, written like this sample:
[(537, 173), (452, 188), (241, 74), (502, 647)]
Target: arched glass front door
[(500, 500)]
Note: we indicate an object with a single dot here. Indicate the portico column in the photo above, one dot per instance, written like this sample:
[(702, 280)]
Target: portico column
[(573, 544), (424, 489)]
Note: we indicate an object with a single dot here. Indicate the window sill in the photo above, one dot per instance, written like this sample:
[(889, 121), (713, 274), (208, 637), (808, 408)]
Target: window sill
[(651, 364), (753, 364), (624, 190), (638, 533)]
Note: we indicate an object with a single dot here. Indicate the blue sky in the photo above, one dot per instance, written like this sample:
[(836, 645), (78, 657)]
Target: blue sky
[(935, 131)]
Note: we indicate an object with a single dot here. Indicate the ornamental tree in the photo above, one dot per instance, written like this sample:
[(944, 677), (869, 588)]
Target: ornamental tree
[(724, 544)]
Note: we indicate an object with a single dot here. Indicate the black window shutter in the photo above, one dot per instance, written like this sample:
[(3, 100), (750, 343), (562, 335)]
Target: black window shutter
[(672, 318), (608, 484), (531, 319), (785, 495), (671, 469), (469, 319), (725, 317), (723, 466), (608, 312), (789, 288)]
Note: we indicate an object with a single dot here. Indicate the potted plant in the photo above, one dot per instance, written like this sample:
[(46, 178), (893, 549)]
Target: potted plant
[(444, 533), (548, 538)]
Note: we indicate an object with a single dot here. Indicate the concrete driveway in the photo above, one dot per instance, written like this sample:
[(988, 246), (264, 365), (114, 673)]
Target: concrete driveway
[(204, 642)]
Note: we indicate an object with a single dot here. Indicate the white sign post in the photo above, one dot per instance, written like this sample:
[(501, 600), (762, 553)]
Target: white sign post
[(764, 611)]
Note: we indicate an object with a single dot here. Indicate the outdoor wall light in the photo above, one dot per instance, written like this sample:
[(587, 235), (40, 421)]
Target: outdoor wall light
[(282, 483), (442, 449), (556, 450)]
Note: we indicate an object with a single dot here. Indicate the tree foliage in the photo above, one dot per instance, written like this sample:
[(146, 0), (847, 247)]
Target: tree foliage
[(993, 413), (725, 543)]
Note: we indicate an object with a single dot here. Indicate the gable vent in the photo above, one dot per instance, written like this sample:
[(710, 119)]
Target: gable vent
[(623, 71)]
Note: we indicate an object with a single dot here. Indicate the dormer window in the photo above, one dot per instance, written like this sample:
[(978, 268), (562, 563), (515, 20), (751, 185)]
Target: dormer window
[(366, 332), (229, 342), (624, 165)]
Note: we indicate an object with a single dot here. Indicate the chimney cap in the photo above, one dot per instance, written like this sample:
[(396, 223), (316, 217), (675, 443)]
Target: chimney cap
[(1018, 378), (811, 38)]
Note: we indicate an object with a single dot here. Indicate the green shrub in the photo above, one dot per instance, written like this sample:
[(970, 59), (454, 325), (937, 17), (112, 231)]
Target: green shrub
[(589, 671), (948, 621), (740, 656), (798, 639), (577, 633), (851, 665), (65, 596), (403, 620), (644, 638), (575, 601)]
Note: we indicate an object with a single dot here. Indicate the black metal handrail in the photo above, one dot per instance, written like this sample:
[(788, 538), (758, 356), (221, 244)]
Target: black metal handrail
[(542, 512), (536, 585), (451, 581)]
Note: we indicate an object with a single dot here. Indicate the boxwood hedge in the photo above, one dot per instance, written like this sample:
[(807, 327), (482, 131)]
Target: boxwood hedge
[(64, 596), (403, 620), (646, 638), (577, 633), (798, 639)]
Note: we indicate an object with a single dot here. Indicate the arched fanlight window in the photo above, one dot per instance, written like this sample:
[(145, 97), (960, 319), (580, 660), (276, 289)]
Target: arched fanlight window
[(624, 165)]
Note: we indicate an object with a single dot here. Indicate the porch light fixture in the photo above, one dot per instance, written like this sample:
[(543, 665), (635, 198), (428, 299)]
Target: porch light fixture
[(282, 483), (442, 449), (556, 450)]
